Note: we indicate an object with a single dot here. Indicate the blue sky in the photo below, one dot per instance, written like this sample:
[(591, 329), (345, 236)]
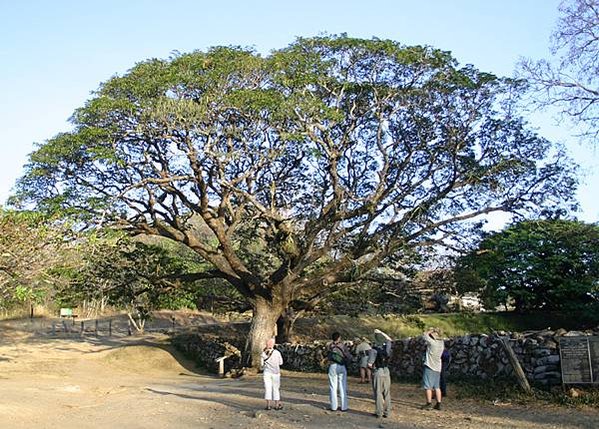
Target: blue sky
[(54, 53)]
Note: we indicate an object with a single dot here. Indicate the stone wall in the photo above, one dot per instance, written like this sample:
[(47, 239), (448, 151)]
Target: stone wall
[(206, 349), (473, 356)]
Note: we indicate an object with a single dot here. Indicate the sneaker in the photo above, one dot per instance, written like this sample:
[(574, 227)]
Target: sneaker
[(427, 406), (438, 406)]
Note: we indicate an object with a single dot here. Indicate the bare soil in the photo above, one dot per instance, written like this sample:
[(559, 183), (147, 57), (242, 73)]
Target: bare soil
[(73, 381)]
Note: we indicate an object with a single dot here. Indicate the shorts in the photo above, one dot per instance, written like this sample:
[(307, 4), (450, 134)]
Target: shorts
[(364, 361), (430, 379)]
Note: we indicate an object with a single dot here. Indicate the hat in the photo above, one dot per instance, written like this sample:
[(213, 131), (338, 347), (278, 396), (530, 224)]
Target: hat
[(436, 334)]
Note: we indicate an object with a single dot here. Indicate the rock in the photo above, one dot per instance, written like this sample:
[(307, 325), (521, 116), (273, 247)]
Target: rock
[(549, 360), (574, 334), (541, 352), (574, 393)]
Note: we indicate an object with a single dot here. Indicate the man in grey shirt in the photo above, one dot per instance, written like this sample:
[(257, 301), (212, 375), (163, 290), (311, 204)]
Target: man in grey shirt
[(432, 367), (378, 361)]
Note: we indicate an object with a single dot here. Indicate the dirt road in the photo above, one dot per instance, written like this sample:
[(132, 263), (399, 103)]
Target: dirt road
[(129, 382)]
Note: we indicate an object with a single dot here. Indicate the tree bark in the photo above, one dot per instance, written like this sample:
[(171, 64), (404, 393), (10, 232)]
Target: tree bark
[(262, 328), (285, 324)]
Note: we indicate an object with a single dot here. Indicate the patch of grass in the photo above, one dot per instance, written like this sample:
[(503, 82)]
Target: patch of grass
[(452, 324)]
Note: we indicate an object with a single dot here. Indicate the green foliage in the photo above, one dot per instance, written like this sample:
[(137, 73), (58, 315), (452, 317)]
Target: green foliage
[(31, 246), (544, 264), (297, 171)]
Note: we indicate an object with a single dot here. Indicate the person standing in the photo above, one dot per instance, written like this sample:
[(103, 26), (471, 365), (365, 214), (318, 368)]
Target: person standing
[(270, 362), (362, 350), (378, 361), (431, 376), (338, 357)]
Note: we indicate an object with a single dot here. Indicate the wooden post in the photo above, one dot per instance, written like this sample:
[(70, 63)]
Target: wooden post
[(110, 327), (129, 327), (82, 328), (221, 366), (96, 327), (53, 329), (64, 326), (522, 380)]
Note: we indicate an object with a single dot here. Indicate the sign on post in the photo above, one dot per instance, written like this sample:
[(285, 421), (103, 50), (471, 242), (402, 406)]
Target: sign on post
[(579, 357)]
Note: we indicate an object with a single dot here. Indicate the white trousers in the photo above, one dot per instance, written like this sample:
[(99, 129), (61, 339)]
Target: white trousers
[(338, 385), (272, 383)]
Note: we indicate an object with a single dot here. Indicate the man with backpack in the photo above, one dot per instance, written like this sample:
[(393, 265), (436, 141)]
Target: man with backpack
[(378, 360), (338, 357)]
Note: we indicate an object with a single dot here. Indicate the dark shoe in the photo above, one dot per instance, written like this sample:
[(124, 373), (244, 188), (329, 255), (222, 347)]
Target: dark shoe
[(376, 415), (427, 406), (385, 416), (438, 406), (343, 411), (278, 407)]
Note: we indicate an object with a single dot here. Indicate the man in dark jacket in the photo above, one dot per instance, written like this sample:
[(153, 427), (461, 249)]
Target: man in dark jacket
[(378, 361)]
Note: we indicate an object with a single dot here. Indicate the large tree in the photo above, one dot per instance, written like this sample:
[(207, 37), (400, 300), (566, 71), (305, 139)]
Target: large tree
[(569, 80), (299, 171), (537, 264)]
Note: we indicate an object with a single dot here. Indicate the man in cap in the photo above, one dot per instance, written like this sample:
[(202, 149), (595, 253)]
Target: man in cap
[(432, 367), (378, 361)]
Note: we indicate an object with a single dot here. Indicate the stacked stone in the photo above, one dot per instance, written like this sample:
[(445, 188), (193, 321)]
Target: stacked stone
[(472, 356), (206, 349)]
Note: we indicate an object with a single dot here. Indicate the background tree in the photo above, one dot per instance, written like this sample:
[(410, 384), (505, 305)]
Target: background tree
[(297, 172), (537, 265), (570, 81), (31, 246), (139, 275)]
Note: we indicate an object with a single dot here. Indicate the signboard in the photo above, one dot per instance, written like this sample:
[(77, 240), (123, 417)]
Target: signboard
[(579, 358)]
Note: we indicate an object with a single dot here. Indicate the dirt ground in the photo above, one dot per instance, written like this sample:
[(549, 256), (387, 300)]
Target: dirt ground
[(73, 381)]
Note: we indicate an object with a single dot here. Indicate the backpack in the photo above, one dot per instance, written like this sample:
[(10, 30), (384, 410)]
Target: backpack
[(382, 358), (336, 356)]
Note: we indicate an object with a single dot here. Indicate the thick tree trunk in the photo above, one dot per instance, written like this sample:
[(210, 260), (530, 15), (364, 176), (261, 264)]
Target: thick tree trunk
[(261, 329), (285, 324)]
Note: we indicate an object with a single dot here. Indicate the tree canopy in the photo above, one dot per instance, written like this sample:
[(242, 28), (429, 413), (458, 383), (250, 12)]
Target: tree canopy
[(296, 172), (541, 264)]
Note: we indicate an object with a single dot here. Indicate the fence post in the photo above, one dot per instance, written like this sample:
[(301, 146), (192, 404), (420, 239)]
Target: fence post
[(96, 327), (110, 327), (129, 327), (82, 328), (53, 329), (521, 377)]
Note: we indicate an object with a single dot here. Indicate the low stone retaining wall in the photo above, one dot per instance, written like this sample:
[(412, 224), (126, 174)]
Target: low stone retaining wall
[(206, 349), (472, 356)]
